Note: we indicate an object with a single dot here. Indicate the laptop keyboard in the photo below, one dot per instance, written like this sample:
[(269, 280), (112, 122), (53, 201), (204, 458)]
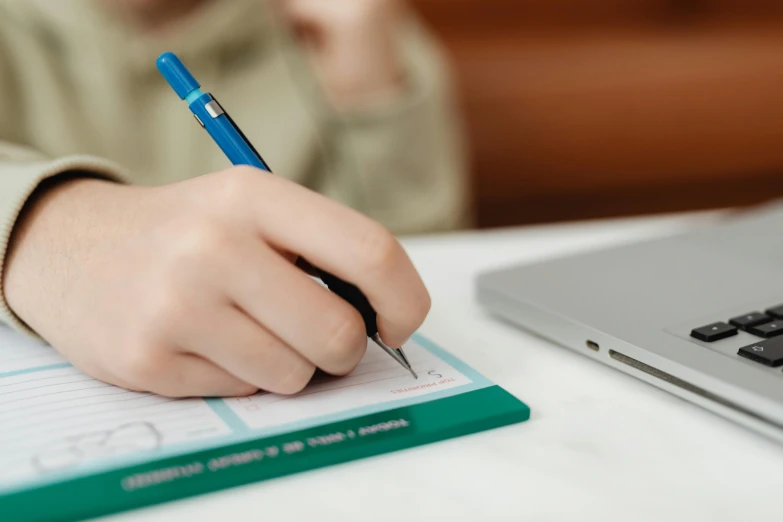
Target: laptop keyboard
[(714, 332), (767, 325), (768, 353)]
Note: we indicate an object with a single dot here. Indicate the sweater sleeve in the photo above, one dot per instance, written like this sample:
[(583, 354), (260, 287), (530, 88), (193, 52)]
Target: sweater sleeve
[(403, 162)]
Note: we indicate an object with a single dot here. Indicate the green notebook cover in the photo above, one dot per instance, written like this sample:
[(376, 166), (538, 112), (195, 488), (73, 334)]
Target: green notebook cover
[(450, 400)]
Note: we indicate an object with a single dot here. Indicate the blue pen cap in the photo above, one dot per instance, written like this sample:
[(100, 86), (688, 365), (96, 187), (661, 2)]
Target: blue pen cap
[(176, 74)]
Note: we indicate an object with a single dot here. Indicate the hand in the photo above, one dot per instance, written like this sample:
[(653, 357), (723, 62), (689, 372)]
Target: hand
[(190, 290), (353, 43)]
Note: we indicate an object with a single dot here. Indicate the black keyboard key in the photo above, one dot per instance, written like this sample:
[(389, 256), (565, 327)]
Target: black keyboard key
[(768, 353), (750, 319), (771, 329), (776, 311), (714, 332)]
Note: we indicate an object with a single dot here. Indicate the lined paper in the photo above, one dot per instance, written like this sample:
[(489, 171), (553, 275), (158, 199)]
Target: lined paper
[(19, 353), (58, 419), (377, 379), (54, 419)]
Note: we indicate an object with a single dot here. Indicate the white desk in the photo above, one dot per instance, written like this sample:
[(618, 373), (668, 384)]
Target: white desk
[(600, 446)]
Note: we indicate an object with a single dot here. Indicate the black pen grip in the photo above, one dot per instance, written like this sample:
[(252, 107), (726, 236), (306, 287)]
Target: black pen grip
[(354, 296)]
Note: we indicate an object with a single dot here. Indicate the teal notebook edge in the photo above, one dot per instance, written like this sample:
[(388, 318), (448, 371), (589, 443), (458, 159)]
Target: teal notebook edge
[(166, 479)]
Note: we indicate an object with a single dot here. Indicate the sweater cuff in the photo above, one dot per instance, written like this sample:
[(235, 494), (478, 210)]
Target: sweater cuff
[(20, 181)]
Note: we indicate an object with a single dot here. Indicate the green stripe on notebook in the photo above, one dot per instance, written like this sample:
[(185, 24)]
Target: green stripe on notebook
[(215, 469)]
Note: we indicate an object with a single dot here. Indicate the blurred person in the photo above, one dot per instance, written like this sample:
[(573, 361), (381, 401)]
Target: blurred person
[(127, 243)]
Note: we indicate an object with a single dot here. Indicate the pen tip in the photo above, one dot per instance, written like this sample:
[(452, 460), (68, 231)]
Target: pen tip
[(402, 355), (396, 353)]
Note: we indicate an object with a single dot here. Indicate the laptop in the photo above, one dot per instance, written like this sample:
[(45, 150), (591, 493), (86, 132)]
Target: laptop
[(698, 314)]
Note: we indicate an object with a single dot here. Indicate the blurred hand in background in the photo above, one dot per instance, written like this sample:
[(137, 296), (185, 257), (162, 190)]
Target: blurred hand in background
[(353, 44)]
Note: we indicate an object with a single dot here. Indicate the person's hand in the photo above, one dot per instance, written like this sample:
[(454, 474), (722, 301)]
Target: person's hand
[(190, 290), (353, 44)]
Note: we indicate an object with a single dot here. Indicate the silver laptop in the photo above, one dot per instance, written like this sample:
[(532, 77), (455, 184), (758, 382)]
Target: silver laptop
[(699, 315)]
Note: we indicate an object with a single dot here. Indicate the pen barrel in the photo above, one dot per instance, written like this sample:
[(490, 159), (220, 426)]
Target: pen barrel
[(354, 297), (225, 132)]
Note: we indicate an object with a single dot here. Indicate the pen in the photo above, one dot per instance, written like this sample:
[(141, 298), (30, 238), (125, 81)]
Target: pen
[(228, 136)]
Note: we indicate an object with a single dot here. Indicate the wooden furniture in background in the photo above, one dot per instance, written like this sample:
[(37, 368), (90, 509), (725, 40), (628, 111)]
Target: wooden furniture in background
[(592, 108)]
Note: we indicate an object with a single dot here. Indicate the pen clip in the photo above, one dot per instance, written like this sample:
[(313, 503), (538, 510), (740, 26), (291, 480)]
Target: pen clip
[(214, 109)]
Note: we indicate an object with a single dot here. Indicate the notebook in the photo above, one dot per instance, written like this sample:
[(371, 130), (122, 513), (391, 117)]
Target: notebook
[(74, 447)]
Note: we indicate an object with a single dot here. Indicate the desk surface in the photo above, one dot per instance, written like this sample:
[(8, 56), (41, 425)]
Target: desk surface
[(600, 446)]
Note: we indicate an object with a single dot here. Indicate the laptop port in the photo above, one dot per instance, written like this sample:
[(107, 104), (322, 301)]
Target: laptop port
[(592, 345)]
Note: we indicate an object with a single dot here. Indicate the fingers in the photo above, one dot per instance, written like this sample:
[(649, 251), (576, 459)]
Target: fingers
[(247, 350), (184, 375), (348, 245), (319, 325)]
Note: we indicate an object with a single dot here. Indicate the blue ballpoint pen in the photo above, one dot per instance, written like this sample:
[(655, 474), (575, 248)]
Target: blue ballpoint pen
[(226, 133)]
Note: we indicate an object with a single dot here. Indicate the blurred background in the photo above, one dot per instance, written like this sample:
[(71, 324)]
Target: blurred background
[(596, 108)]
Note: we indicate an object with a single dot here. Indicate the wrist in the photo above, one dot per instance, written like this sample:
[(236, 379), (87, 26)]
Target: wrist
[(46, 233), (353, 75)]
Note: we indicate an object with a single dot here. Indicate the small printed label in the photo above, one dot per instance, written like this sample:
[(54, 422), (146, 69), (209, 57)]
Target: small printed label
[(294, 444)]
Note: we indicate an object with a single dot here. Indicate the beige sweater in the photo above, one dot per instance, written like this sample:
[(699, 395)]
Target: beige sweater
[(79, 91)]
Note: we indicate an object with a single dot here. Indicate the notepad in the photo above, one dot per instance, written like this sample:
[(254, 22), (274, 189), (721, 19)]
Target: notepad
[(75, 447)]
